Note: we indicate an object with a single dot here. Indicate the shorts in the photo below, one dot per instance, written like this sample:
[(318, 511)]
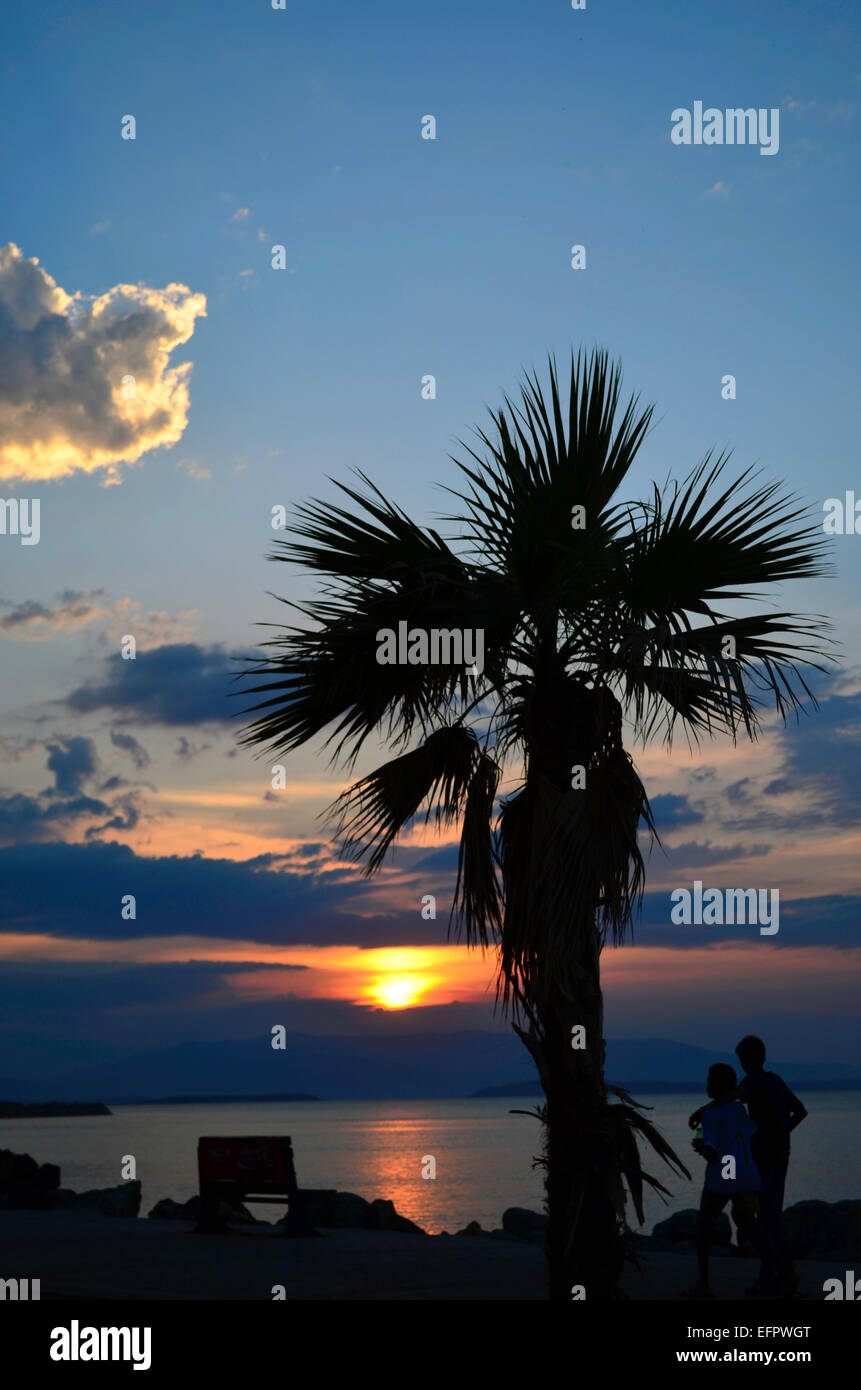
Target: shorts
[(745, 1205)]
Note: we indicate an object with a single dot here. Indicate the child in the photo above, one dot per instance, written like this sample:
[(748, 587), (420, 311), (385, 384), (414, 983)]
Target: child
[(731, 1175), (775, 1112)]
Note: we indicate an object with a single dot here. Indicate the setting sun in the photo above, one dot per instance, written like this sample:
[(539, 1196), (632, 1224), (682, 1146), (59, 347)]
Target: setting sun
[(399, 991)]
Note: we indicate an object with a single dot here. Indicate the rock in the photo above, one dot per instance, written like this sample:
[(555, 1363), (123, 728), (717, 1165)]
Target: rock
[(319, 1207), (524, 1224), (238, 1213), (682, 1226), (16, 1169), (823, 1229), (122, 1201), (383, 1217), (473, 1229), (810, 1229), (346, 1211), (24, 1184), (49, 1176), (168, 1210)]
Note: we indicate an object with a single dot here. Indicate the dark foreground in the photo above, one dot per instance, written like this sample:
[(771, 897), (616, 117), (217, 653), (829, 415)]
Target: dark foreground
[(78, 1255)]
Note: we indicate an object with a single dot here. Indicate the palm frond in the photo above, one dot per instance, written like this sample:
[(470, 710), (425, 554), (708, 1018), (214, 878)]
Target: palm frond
[(439, 774), (541, 460)]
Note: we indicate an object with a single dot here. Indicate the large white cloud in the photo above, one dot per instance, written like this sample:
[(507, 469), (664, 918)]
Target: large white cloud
[(64, 407)]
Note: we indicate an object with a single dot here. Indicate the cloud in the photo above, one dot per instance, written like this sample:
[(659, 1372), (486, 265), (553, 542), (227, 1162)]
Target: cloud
[(63, 357), (287, 900), (698, 858), (68, 806), (841, 111), (180, 683), (718, 190), (41, 819), (25, 819), (187, 750), (195, 470), (671, 810), (814, 784), (150, 630), (738, 791), (110, 988), (128, 744), (844, 112), (99, 228), (72, 761), (241, 214), (32, 620), (126, 817), (275, 899), (779, 787), (16, 746), (820, 758)]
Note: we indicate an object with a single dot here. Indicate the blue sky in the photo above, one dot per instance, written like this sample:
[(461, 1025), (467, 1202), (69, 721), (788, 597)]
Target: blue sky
[(404, 257)]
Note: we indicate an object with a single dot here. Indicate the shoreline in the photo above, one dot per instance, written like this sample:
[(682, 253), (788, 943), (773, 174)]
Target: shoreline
[(139, 1258)]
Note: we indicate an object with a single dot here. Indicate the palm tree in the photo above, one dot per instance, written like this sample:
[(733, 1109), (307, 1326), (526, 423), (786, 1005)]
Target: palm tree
[(593, 611)]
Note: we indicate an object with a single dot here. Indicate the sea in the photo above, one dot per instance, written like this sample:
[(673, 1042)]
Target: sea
[(483, 1153)]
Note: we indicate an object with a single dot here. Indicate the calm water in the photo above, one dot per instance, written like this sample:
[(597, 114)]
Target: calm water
[(483, 1154)]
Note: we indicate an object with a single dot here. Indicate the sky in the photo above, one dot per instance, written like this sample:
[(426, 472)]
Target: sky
[(152, 258)]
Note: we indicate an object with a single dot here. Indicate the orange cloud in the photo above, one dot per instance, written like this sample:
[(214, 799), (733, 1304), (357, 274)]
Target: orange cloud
[(391, 977)]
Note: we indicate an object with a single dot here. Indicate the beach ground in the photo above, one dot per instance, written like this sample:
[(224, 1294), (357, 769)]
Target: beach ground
[(83, 1255)]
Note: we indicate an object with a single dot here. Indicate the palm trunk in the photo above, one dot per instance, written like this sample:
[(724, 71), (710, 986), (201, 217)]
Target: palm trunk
[(584, 1245)]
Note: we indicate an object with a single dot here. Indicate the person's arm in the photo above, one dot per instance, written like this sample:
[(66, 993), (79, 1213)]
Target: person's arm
[(706, 1146), (704, 1150), (797, 1112), (736, 1094)]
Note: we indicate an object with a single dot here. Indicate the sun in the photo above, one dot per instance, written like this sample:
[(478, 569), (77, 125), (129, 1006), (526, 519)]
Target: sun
[(398, 991)]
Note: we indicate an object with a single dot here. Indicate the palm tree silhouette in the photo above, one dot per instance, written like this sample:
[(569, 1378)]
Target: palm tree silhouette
[(592, 610)]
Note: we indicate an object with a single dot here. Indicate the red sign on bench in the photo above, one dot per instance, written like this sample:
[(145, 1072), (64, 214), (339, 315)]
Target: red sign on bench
[(265, 1160)]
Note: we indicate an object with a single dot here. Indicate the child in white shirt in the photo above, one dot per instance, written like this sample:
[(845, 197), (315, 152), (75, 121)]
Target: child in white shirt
[(731, 1176)]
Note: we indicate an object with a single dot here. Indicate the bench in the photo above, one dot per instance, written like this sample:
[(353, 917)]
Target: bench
[(259, 1169)]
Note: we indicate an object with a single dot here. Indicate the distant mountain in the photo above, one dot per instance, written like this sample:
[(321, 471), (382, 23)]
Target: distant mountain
[(654, 1088), (290, 1096), (15, 1110), (660, 1058), (369, 1067), (511, 1088), (678, 1068), (404, 1066)]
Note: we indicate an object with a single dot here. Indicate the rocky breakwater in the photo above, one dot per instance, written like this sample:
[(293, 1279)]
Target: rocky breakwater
[(335, 1210), (26, 1185), (811, 1230)]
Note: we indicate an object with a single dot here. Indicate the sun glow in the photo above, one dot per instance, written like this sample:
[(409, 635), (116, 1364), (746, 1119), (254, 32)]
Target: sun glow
[(399, 991)]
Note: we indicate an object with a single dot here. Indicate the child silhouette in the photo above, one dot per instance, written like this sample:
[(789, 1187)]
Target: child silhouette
[(731, 1176), (776, 1112)]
